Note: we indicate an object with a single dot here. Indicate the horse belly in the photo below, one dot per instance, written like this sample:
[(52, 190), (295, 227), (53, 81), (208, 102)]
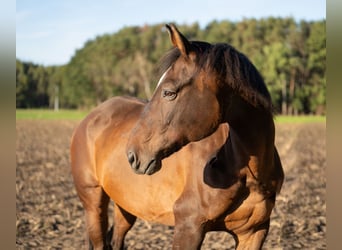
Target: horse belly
[(140, 201), (150, 198)]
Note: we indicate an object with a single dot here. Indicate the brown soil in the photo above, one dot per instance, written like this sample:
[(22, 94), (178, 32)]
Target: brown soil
[(50, 215)]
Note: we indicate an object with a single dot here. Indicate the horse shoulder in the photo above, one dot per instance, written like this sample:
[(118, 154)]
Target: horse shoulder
[(94, 130)]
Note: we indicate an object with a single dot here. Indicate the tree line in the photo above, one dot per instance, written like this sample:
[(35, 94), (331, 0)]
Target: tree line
[(290, 56)]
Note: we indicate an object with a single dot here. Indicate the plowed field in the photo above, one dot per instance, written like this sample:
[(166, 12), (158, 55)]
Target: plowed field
[(50, 215)]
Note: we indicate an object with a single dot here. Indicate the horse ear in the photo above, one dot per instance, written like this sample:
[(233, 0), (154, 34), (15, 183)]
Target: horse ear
[(178, 40)]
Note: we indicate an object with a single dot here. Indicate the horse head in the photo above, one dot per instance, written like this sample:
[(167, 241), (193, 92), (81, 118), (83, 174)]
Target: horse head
[(193, 96), (183, 108)]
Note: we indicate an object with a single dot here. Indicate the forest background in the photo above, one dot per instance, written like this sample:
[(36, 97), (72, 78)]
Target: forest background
[(290, 55)]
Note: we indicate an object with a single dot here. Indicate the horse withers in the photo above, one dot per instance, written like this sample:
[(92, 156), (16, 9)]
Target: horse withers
[(200, 174)]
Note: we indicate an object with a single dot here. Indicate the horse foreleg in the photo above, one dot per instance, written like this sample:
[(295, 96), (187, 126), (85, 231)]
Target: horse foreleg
[(188, 236), (95, 202), (189, 226), (253, 240), (123, 222)]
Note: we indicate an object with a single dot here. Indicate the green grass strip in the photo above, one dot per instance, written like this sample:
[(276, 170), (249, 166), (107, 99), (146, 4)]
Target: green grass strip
[(46, 114), (299, 119)]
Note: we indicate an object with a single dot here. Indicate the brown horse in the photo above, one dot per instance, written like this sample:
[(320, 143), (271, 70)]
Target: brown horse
[(213, 184)]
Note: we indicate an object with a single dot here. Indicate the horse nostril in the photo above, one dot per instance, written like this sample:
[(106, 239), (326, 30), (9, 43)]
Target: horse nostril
[(131, 158)]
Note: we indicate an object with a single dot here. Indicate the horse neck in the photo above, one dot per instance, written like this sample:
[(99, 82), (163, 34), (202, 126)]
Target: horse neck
[(247, 121), (251, 135)]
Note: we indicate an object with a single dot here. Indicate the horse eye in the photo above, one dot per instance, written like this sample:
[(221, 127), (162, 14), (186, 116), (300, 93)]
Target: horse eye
[(169, 94)]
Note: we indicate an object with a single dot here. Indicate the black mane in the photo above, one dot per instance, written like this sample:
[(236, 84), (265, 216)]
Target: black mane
[(233, 68)]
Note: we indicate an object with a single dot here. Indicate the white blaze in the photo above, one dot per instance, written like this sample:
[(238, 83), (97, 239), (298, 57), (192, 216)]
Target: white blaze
[(162, 78)]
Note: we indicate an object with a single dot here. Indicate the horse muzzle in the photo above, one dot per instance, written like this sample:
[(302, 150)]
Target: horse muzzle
[(148, 167)]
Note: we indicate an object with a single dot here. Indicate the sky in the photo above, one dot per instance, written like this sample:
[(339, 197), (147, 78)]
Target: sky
[(49, 32)]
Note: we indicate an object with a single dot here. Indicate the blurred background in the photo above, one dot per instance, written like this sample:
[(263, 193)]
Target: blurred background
[(76, 54)]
